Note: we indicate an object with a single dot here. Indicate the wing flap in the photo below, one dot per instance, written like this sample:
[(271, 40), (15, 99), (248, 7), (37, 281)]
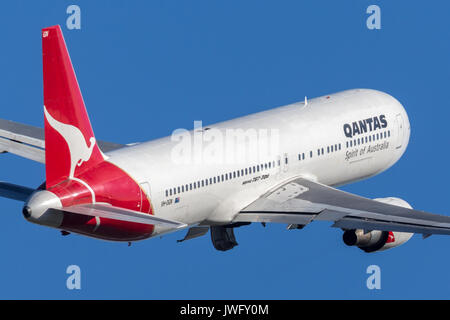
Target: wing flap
[(355, 223), (274, 217), (194, 232)]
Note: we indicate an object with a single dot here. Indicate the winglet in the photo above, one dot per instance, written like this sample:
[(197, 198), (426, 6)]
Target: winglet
[(70, 145)]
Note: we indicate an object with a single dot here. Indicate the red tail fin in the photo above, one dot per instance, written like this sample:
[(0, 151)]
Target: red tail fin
[(70, 146)]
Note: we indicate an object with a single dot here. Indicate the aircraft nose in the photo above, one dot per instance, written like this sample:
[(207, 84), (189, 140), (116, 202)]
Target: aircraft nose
[(37, 209)]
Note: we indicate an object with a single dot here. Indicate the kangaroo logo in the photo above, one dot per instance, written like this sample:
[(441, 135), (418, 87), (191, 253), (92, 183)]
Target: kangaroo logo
[(78, 149), (391, 237)]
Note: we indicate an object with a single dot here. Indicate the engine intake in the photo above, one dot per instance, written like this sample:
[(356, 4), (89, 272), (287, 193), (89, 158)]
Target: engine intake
[(369, 241)]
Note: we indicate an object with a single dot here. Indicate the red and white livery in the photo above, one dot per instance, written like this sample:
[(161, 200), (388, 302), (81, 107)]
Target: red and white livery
[(133, 192)]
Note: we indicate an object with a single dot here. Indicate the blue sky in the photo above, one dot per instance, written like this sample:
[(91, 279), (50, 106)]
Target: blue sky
[(148, 67)]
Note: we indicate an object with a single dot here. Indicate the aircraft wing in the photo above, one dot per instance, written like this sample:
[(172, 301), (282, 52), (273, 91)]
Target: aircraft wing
[(28, 141), (301, 201)]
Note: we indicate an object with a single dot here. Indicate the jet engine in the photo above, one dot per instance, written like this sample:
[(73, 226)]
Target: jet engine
[(376, 240)]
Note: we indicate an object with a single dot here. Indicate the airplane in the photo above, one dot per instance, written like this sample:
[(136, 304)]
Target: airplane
[(132, 192)]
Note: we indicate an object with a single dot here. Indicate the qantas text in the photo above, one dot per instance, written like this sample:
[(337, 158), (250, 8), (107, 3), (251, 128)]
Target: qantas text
[(364, 126)]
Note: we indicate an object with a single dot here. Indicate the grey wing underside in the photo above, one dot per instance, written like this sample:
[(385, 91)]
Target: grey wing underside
[(28, 141), (302, 201)]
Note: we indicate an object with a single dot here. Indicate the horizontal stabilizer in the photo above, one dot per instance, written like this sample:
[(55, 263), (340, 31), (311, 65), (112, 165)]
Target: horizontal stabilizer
[(15, 192), (107, 211)]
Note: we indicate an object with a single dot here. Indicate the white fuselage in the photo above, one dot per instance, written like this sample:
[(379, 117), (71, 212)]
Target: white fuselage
[(375, 124)]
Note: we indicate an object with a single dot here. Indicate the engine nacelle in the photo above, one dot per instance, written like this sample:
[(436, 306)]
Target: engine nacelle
[(377, 240)]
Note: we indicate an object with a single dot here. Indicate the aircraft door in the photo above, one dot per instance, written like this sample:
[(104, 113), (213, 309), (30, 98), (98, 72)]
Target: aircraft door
[(400, 128), (145, 192), (285, 162), (277, 168)]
